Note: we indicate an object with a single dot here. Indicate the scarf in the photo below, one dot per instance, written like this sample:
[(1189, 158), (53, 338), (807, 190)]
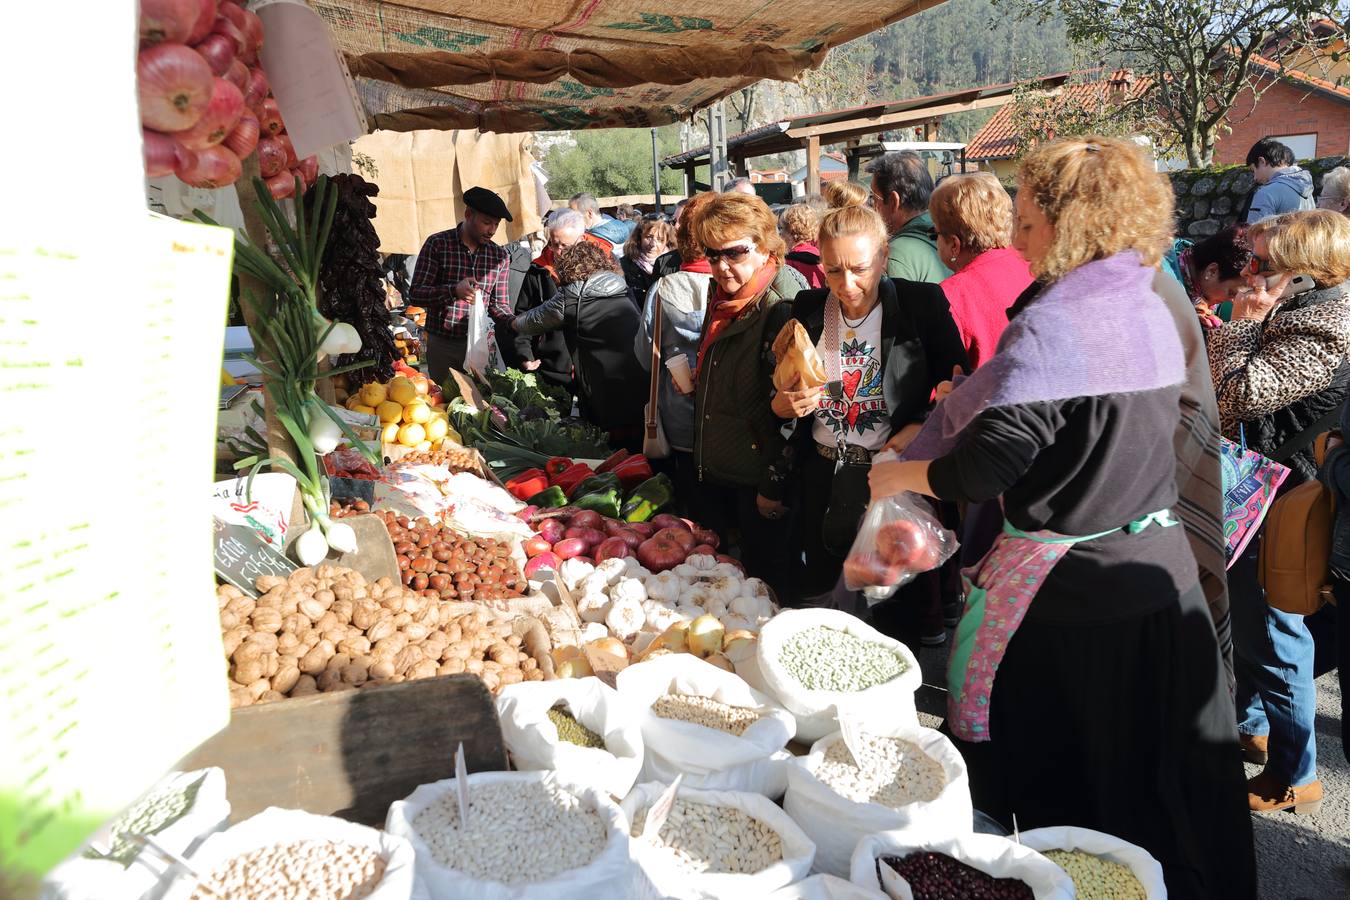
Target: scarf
[(727, 308), (645, 263), (1098, 330), (701, 266), (546, 260)]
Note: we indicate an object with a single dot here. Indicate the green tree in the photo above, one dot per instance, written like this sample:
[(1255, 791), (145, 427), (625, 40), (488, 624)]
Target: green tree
[(611, 162), (1106, 109), (1197, 53)]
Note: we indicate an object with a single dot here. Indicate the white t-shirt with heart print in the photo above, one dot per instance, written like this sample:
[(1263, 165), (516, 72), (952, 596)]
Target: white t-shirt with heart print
[(856, 411)]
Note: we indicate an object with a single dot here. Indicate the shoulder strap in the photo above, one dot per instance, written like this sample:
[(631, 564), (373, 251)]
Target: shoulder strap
[(653, 392), (1305, 437)]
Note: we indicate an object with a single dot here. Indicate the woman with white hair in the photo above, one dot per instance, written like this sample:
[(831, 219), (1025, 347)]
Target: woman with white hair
[(1335, 194)]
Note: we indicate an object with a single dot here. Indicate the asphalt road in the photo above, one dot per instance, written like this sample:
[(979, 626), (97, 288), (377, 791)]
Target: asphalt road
[(1297, 857)]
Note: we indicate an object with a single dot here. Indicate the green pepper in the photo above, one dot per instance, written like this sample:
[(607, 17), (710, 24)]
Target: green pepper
[(605, 502), (550, 498), (592, 483), (648, 499)]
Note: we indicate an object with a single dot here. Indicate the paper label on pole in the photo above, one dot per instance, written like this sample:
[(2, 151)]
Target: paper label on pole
[(462, 787), (659, 811)]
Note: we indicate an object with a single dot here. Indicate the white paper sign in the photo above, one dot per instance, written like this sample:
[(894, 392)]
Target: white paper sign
[(660, 810), (462, 787)]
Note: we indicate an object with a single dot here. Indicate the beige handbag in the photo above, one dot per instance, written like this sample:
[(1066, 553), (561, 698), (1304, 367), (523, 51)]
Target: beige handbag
[(654, 443)]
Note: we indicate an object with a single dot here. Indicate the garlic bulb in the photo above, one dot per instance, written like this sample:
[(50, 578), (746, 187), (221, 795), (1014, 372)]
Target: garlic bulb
[(703, 563), (751, 607), (613, 569), (715, 607), (635, 568), (592, 607), (594, 583), (625, 618), (628, 589), (697, 595), (665, 587), (739, 623), (573, 570), (660, 618), (726, 569), (341, 537), (688, 612), (755, 587), (725, 588), (593, 631), (311, 547)]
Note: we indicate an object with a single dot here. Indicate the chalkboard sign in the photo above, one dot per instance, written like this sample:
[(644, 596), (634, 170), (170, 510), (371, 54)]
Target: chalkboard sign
[(242, 557)]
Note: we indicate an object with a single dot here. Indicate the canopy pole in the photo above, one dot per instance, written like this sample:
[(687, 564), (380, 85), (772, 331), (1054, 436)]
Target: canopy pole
[(718, 173), (813, 164), (656, 173)]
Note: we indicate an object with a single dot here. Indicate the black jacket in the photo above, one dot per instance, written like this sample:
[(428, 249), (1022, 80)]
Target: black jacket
[(549, 348), (919, 346), (639, 282), (599, 321), (516, 350)]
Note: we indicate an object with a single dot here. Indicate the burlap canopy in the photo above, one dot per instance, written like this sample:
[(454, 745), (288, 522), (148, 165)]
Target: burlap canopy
[(564, 64)]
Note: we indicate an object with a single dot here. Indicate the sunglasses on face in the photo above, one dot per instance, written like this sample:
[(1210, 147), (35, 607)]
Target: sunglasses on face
[(730, 254), (1258, 266)]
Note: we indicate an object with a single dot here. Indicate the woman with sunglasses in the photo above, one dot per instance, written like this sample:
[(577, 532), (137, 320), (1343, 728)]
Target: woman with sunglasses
[(736, 438), (1281, 377), (886, 344)]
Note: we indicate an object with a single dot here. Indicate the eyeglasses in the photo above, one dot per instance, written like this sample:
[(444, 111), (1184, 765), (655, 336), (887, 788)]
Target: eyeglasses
[(730, 254), (1258, 266)]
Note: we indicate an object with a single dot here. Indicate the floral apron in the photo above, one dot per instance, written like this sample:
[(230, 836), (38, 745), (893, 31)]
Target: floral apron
[(999, 590)]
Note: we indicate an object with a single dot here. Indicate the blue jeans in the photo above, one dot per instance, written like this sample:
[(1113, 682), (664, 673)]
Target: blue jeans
[(1273, 658)]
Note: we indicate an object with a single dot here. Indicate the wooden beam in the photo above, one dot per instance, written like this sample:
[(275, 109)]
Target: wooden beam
[(813, 164), (834, 130)]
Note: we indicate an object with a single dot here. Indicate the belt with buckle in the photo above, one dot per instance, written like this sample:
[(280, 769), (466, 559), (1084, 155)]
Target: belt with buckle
[(852, 454)]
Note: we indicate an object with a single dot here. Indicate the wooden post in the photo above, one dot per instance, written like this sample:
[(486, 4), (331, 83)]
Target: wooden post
[(853, 163), (813, 164)]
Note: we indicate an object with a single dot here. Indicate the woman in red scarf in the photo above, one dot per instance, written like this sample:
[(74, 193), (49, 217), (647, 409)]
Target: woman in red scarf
[(737, 440)]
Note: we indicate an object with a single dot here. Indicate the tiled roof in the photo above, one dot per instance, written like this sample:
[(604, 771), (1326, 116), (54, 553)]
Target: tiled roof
[(998, 138), (1321, 85)]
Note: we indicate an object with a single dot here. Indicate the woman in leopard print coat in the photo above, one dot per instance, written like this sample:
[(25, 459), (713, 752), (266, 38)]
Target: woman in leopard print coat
[(1279, 367)]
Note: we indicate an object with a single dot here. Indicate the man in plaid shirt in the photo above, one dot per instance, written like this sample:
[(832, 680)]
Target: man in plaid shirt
[(450, 267)]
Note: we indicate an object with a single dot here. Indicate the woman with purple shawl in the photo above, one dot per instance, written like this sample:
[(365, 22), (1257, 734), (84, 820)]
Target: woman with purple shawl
[(1086, 686)]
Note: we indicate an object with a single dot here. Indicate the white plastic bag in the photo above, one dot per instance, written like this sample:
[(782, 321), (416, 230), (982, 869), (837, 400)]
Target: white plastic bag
[(285, 826), (706, 757), (1107, 846), (481, 354), (671, 881), (141, 873), (883, 707), (611, 873), (825, 887), (899, 539), (836, 824), (996, 856), (533, 741)]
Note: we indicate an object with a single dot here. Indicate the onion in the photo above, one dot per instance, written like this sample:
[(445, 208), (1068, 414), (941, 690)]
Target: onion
[(247, 22), (705, 636), (244, 138), (285, 141), (206, 17), (281, 186), (309, 169), (311, 547), (237, 75), (227, 105), (270, 120), (272, 160), (160, 151), (257, 88), (215, 167), (167, 20), (218, 51), (174, 85), (228, 29), (341, 537)]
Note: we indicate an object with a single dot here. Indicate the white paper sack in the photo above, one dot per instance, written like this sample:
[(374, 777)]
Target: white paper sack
[(671, 881), (96, 879), (695, 750), (996, 856), (883, 706), (610, 872), (284, 826), (534, 743), (836, 823), (1107, 846)]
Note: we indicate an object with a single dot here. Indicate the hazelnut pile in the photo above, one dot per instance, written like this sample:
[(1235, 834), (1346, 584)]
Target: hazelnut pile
[(437, 561)]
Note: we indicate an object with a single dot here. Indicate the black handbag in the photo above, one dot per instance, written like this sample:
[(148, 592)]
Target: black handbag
[(849, 496)]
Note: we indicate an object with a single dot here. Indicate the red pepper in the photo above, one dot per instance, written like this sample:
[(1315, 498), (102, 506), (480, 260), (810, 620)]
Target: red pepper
[(573, 477), (618, 457), (633, 471), (556, 466), (527, 484)]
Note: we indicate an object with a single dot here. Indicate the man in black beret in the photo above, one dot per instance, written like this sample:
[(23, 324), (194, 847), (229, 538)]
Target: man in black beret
[(452, 265)]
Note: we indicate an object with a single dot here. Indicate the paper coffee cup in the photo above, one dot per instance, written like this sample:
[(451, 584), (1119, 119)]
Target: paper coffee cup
[(678, 366)]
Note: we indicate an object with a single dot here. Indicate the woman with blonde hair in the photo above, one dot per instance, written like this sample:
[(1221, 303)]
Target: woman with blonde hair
[(736, 436), (1086, 686), (1281, 378), (886, 345), (973, 217), (839, 194), (799, 225)]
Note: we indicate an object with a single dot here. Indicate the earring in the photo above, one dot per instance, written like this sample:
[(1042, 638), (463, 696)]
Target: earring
[(953, 259)]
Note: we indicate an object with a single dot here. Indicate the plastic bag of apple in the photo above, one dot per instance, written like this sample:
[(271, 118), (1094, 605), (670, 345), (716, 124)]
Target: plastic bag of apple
[(899, 539), (205, 102)]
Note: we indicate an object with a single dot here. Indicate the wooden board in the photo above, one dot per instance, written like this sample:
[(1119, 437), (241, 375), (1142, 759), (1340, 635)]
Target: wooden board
[(352, 753), (374, 556)]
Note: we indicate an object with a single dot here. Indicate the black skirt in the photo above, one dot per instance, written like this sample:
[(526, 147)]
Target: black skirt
[(1118, 720)]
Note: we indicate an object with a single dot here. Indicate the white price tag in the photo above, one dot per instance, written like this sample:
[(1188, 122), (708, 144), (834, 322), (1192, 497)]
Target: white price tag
[(660, 810), (853, 737), (462, 787)]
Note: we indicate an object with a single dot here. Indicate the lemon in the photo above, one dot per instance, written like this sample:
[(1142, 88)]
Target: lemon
[(353, 401), (417, 412), (437, 429), (390, 433), (401, 391), (411, 435), (422, 385), (373, 394), (389, 411), (424, 446), (368, 410)]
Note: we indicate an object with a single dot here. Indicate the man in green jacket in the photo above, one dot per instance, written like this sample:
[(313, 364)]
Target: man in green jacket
[(901, 187)]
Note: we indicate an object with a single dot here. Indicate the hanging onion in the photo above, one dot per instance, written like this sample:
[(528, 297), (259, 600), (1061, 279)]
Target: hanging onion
[(160, 151), (223, 26), (309, 169), (282, 185), (244, 138), (270, 120), (167, 20), (257, 88), (214, 167), (222, 114), (218, 51), (237, 75), (174, 85), (285, 140), (272, 159), (206, 17)]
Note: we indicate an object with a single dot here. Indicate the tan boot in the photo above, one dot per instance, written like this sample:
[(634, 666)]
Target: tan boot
[(1254, 748), (1267, 794)]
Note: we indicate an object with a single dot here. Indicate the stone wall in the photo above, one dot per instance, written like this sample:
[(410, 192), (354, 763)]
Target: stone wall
[(1211, 199)]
